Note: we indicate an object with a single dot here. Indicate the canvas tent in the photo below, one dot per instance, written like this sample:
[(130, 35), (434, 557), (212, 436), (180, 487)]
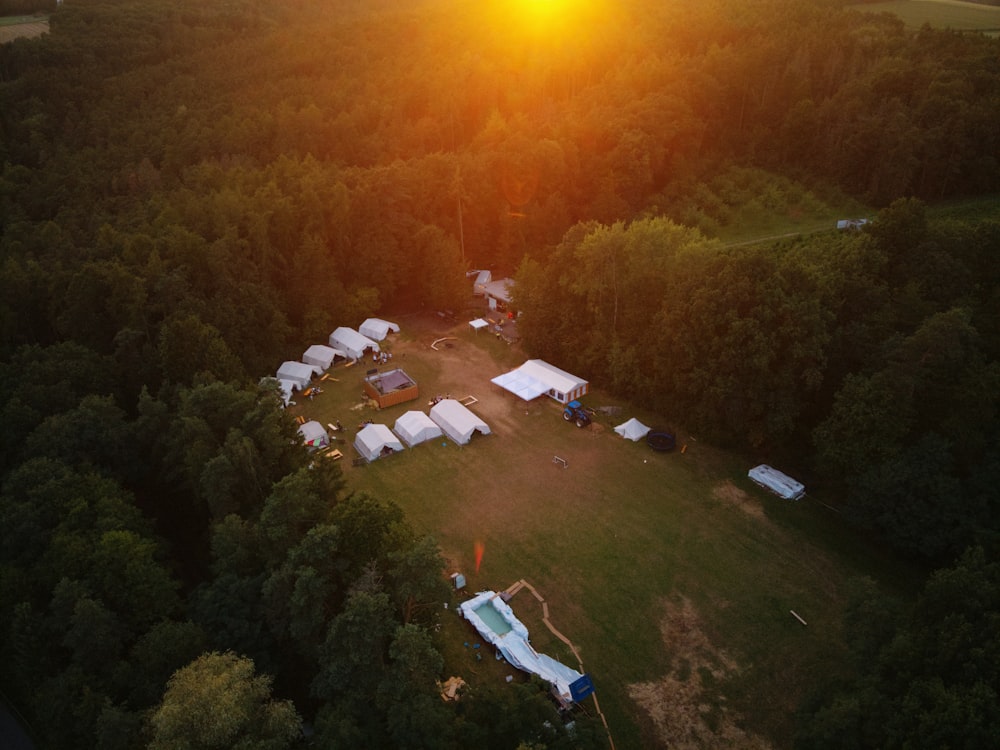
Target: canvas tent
[(352, 343), (415, 427), (297, 372), (478, 324), (313, 435), (456, 421), (632, 430), (377, 329), (537, 377), (774, 481), (376, 440), (321, 356)]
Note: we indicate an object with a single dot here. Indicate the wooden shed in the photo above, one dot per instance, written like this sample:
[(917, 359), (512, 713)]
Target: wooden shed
[(390, 388)]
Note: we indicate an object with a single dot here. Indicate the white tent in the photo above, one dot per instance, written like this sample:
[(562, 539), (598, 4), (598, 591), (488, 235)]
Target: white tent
[(632, 430), (456, 421), (416, 427), (287, 389), (352, 343), (313, 435), (377, 329), (376, 440), (478, 324), (536, 377), (298, 372), (321, 356), (774, 481)]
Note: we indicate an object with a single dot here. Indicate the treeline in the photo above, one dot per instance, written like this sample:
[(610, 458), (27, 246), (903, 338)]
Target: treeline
[(21, 7), (191, 192)]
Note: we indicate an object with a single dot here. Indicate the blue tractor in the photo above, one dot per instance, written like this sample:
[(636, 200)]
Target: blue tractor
[(574, 412)]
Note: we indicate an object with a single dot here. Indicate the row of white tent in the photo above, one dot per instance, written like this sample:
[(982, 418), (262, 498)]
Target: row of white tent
[(344, 342), (448, 417)]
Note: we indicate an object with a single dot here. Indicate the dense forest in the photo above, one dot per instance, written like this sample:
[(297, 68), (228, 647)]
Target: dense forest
[(190, 189)]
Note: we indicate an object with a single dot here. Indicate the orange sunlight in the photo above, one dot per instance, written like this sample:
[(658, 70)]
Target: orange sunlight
[(554, 21)]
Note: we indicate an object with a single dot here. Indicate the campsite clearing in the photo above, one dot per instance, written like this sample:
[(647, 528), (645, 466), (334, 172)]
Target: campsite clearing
[(623, 544)]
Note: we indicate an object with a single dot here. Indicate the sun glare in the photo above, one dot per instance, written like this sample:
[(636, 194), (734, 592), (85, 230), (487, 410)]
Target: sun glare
[(542, 17)]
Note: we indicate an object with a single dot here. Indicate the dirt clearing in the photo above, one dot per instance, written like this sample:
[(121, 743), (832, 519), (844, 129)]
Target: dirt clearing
[(685, 706)]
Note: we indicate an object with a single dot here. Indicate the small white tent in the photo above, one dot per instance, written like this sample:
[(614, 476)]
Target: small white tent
[(632, 430), (377, 329), (456, 421), (352, 343), (416, 427), (320, 356), (376, 440), (774, 481), (313, 435), (298, 372)]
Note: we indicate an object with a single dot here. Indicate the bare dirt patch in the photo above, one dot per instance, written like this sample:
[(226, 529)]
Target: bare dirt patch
[(730, 493), (686, 709)]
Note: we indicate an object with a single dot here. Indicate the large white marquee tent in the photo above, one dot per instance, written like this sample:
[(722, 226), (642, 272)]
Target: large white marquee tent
[(456, 421), (297, 372), (415, 427), (352, 343), (375, 440), (377, 329), (321, 356), (536, 378)]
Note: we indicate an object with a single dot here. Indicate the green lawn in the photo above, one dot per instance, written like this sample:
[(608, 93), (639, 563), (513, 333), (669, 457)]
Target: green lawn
[(618, 539)]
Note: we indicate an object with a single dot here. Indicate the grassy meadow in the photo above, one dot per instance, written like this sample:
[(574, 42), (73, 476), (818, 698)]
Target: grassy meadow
[(672, 574), (940, 14)]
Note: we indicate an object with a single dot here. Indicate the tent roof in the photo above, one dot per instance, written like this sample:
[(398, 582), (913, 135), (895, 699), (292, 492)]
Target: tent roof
[(296, 371), (352, 340), (371, 439), (313, 432), (633, 429), (457, 421), (478, 323), (536, 377), (320, 354), (416, 427), (376, 328)]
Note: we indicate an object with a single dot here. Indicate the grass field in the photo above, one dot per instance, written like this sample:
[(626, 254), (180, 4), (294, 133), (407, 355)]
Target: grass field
[(940, 14), (14, 27), (672, 574)]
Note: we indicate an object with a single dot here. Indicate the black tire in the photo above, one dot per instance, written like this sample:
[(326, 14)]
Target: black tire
[(581, 422), (567, 416)]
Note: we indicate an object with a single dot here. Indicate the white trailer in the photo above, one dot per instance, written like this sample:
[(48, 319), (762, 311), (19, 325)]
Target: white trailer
[(774, 481)]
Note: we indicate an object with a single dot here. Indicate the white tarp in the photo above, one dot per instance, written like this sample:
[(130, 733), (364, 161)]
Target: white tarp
[(377, 329), (297, 372), (415, 427), (352, 343), (457, 422), (375, 440), (288, 387), (313, 435), (536, 377), (774, 481), (632, 430), (514, 645), (320, 356)]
